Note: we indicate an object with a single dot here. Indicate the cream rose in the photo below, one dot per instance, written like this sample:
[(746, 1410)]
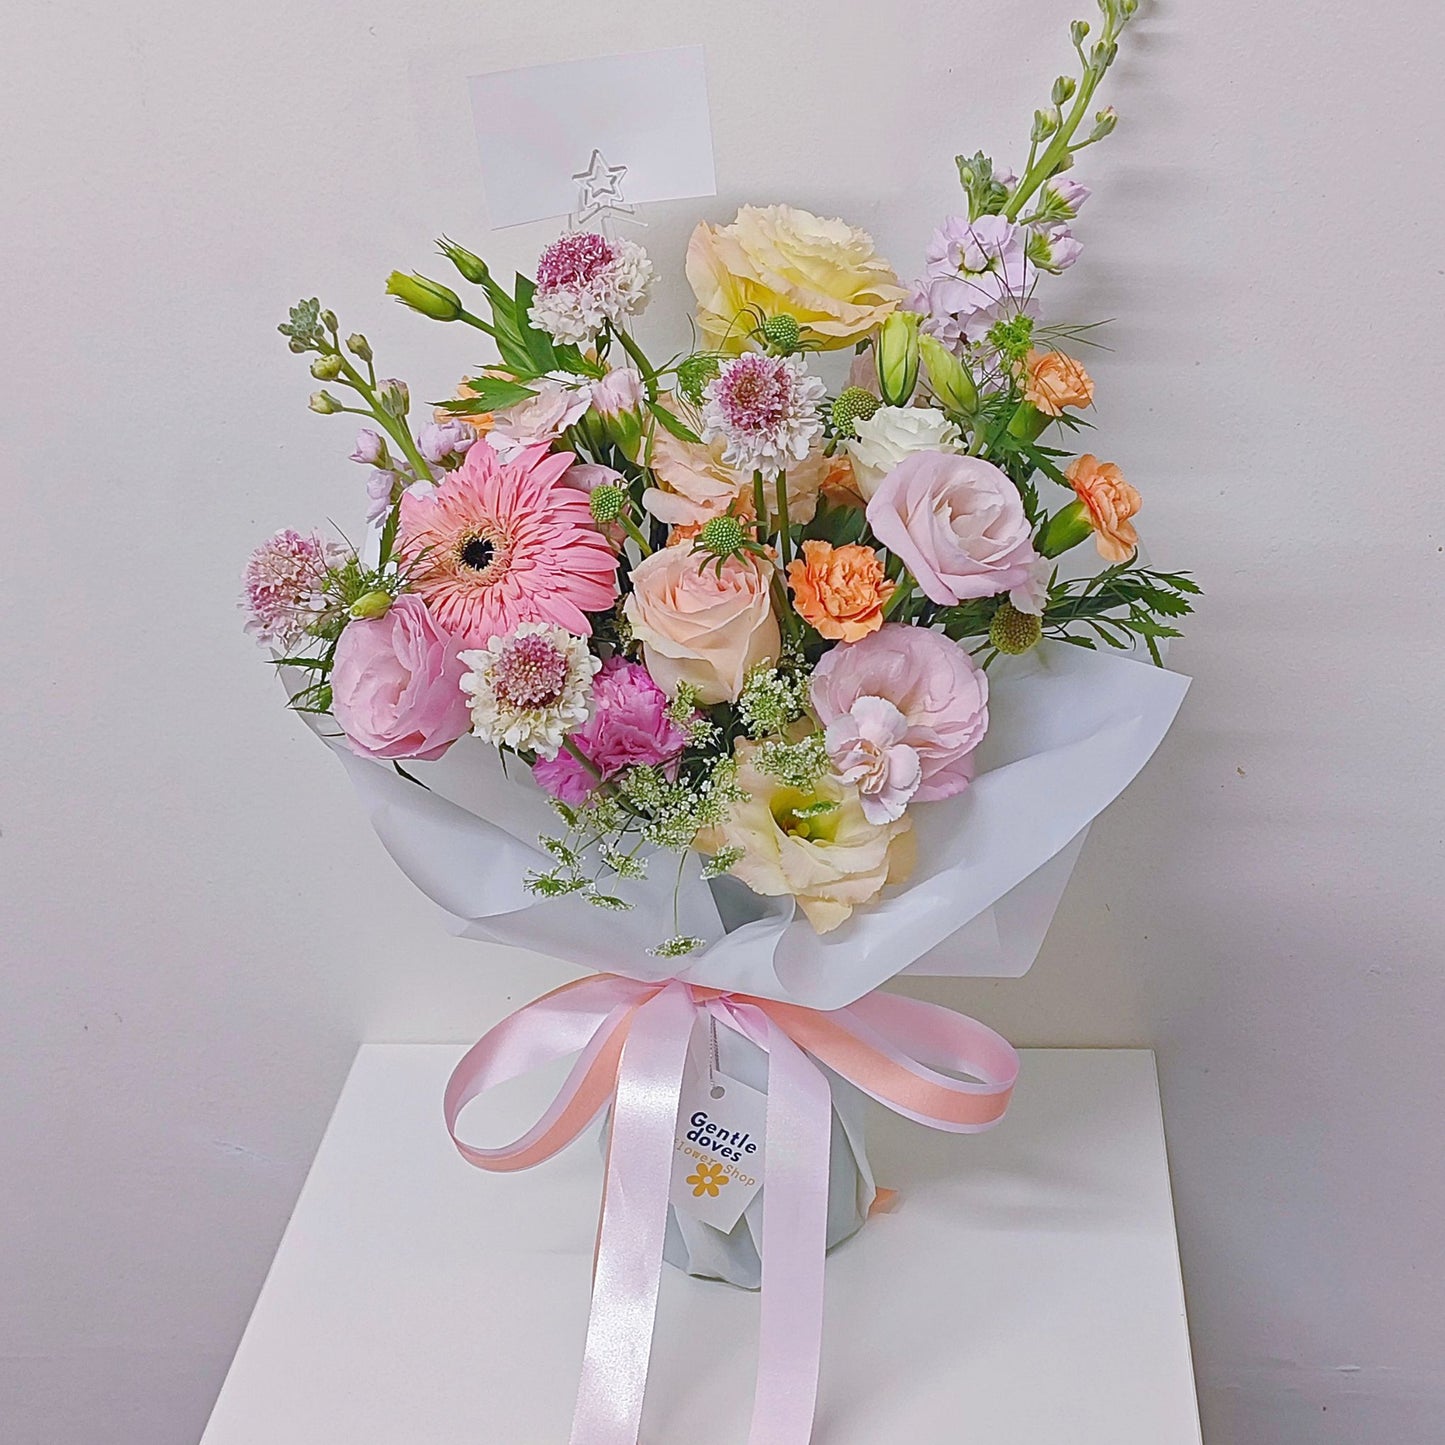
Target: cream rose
[(701, 625), (895, 432), (831, 862), (785, 262)]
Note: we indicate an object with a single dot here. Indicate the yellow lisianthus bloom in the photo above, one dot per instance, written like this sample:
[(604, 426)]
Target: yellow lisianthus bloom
[(780, 261), (831, 862)]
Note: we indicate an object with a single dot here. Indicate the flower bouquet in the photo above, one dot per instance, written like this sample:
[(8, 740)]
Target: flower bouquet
[(747, 677)]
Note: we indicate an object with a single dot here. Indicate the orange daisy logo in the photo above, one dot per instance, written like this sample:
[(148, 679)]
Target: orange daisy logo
[(708, 1180)]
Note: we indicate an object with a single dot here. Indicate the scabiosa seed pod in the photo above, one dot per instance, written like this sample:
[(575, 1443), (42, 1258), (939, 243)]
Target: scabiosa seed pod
[(722, 536), (853, 404), (782, 334), (606, 502), (1014, 632)]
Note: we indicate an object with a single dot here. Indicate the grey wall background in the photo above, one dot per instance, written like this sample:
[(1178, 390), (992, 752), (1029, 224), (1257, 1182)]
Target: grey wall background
[(198, 928)]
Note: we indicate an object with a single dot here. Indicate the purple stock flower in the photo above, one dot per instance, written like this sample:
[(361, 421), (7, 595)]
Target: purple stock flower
[(978, 273), (444, 439)]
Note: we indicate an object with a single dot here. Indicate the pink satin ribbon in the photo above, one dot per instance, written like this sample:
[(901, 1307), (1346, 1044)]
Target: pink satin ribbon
[(631, 1039)]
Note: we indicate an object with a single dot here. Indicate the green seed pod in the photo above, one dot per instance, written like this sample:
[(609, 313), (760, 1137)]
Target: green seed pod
[(782, 334), (607, 502), (853, 405), (1014, 632)]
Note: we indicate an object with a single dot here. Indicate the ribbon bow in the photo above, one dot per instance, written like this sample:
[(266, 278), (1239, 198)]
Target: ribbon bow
[(632, 1041)]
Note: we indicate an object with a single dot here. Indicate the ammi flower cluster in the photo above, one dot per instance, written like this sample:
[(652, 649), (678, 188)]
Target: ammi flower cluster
[(714, 606)]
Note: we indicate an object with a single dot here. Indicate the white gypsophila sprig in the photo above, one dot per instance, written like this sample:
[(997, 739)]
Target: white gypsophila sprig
[(529, 688)]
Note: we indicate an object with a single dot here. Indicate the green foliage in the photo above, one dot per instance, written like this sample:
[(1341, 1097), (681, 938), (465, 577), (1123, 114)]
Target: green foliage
[(1121, 604)]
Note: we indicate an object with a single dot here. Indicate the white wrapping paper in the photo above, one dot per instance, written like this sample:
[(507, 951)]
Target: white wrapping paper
[(1069, 729)]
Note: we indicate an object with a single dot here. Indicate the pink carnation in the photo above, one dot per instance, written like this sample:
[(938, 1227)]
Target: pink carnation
[(929, 679), (396, 684), (629, 727)]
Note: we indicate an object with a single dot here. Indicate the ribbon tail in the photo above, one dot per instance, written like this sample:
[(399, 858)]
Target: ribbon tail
[(628, 1271), (795, 1239)]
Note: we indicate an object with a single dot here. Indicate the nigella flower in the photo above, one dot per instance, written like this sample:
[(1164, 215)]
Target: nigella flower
[(499, 543), (765, 410), (530, 687), (585, 280), (283, 587), (978, 273)]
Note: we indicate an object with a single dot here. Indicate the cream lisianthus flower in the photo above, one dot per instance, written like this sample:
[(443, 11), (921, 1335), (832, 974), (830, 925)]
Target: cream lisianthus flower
[(831, 861), (780, 261), (892, 433)]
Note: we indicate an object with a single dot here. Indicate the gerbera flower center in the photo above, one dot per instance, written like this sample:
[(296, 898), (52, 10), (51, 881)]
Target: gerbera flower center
[(574, 260), (477, 553), (530, 672)]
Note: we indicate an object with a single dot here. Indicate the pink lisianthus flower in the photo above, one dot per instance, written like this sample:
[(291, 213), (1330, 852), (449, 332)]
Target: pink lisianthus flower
[(629, 726), (396, 684), (936, 687), (958, 525), (499, 543)]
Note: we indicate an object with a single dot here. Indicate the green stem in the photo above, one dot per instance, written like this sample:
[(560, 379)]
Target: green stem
[(396, 427), (785, 539), (760, 505), (639, 360), (477, 322), (901, 593), (584, 760), (635, 532)]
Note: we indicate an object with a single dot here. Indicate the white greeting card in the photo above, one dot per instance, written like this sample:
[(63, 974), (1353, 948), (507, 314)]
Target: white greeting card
[(541, 129)]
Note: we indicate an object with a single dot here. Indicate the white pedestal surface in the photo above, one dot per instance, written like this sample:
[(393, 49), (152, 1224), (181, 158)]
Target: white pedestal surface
[(1026, 1289)]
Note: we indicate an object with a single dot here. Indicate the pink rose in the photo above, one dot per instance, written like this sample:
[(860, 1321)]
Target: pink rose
[(700, 625), (629, 727), (929, 679), (958, 525), (396, 684)]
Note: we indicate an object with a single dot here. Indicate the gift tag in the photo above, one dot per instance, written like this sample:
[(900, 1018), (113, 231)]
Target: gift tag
[(717, 1163)]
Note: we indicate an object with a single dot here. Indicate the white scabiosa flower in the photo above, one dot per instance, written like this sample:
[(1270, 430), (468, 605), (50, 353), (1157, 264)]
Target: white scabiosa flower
[(585, 280), (529, 688), (765, 410)]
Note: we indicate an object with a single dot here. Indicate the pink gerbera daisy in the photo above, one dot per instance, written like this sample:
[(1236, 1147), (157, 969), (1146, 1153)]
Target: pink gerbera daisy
[(498, 544)]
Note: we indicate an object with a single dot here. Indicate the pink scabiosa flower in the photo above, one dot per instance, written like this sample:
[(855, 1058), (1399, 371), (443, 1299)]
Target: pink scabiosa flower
[(283, 587), (629, 727), (529, 688), (501, 543), (584, 281), (765, 410)]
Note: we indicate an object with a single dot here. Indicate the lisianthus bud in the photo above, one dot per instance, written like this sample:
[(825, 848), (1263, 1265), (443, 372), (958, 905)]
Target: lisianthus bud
[(854, 404), (472, 268), (782, 334), (898, 357), (359, 346), (431, 298), (1065, 529), (324, 403), (326, 368), (606, 502), (373, 604), (694, 373), (1014, 632), (948, 378)]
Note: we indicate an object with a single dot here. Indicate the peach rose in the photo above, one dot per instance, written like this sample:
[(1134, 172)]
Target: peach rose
[(840, 590), (1053, 381), (694, 484), (1110, 501), (781, 261), (701, 625)]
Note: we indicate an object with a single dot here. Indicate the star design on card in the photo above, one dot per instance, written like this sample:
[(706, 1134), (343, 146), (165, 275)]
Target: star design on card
[(599, 189)]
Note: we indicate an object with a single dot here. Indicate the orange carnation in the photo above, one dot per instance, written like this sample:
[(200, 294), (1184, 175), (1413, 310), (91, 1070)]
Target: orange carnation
[(1053, 381), (1110, 501), (839, 590)]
